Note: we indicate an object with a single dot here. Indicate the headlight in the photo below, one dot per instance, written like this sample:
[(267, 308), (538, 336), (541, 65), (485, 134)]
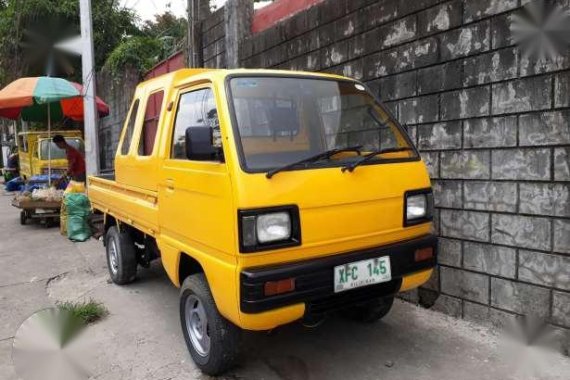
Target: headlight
[(418, 206), (273, 227), (270, 228)]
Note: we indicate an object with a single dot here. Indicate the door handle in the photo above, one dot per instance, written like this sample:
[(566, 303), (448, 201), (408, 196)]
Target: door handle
[(170, 184)]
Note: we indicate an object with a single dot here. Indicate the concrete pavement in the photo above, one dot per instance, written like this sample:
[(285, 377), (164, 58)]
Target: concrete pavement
[(141, 337)]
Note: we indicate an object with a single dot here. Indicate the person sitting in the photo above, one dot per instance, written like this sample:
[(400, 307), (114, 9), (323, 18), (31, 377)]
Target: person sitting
[(12, 169), (75, 160)]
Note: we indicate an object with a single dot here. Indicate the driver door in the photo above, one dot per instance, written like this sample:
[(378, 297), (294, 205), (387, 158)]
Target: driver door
[(195, 196)]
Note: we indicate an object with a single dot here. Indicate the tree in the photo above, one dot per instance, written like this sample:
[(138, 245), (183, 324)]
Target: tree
[(160, 38), (30, 28), (138, 52), (170, 30), (166, 24)]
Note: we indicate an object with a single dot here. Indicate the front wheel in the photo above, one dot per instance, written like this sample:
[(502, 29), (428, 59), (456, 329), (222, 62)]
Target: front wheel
[(369, 312), (212, 340)]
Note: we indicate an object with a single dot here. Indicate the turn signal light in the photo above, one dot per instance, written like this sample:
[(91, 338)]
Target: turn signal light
[(423, 254), (278, 287)]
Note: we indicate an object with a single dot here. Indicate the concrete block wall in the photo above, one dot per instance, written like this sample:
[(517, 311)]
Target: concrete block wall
[(213, 40), (492, 125), (118, 92)]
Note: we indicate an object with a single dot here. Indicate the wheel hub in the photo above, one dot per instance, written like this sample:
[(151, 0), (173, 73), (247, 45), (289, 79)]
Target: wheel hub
[(113, 259), (197, 325)]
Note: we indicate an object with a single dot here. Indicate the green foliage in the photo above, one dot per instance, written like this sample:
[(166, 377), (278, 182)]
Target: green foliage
[(138, 52), (161, 38), (30, 28), (77, 316), (166, 24), (85, 312)]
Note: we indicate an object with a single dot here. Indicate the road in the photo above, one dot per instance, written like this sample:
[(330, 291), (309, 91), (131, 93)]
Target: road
[(141, 338)]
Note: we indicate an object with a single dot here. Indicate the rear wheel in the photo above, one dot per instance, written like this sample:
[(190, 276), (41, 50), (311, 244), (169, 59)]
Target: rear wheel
[(212, 340), (121, 256), (23, 217), (369, 312)]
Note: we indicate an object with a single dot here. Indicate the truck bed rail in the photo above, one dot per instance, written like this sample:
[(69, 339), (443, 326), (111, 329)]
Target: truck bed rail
[(134, 206)]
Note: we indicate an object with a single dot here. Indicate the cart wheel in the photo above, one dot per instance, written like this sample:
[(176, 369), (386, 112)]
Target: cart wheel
[(23, 217)]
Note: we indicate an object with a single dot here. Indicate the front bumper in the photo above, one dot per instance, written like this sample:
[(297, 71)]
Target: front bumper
[(314, 279)]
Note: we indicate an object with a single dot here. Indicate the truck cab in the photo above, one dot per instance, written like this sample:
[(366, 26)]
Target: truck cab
[(270, 197), (36, 150)]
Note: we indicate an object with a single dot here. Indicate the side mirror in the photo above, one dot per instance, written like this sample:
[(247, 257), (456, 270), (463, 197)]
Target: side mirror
[(199, 144)]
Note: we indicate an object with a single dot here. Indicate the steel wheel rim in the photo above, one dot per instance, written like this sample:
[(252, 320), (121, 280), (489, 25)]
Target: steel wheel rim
[(113, 257), (197, 325)]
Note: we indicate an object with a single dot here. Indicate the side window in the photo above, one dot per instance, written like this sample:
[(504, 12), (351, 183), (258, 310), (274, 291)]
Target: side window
[(150, 124), (195, 109), (130, 128)]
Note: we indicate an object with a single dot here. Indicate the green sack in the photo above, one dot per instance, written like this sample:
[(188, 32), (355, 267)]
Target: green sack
[(78, 209)]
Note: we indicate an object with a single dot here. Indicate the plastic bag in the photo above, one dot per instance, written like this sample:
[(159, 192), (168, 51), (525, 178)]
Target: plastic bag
[(15, 184), (49, 195), (78, 209)]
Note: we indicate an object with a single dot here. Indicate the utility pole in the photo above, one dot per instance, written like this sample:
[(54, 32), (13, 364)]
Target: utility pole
[(191, 37), (237, 21), (89, 105)]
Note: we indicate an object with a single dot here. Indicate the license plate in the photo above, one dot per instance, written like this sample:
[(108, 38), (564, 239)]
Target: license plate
[(362, 273)]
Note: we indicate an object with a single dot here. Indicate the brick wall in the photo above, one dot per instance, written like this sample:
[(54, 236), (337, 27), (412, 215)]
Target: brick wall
[(492, 126)]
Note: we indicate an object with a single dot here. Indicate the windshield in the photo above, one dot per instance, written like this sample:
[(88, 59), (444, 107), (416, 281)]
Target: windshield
[(56, 153), (282, 120)]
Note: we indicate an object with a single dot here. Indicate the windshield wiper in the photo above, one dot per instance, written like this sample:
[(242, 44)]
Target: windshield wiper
[(350, 167), (321, 156)]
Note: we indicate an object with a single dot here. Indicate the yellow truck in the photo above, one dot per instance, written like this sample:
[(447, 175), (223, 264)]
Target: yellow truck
[(34, 152), (270, 197)]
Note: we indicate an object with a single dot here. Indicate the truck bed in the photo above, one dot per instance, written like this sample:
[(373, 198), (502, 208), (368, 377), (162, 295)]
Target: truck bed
[(131, 205)]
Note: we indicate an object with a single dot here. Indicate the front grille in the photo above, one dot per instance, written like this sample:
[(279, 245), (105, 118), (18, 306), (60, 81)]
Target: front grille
[(351, 297)]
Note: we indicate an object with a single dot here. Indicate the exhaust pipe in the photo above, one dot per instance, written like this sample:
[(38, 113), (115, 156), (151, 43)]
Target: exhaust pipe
[(312, 321)]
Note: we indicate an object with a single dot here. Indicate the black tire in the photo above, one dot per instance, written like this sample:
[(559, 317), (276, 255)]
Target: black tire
[(23, 218), (122, 264), (369, 312), (224, 337)]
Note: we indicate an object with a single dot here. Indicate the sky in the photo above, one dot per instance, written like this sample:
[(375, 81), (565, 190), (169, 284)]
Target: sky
[(146, 9)]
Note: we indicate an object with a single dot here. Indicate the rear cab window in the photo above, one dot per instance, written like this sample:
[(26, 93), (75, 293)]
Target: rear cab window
[(149, 128), (129, 129), (23, 143)]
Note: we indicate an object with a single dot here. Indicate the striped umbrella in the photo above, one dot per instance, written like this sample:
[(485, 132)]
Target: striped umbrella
[(45, 99), (33, 98)]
